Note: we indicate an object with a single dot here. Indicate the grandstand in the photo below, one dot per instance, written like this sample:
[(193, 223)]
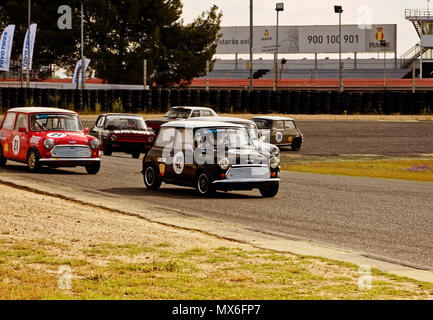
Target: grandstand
[(311, 69)]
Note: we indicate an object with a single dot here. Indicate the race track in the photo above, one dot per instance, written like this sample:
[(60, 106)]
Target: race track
[(387, 219), (362, 137)]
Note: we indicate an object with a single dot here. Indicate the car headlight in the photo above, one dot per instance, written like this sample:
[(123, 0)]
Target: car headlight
[(113, 137), (94, 144), (224, 163), (49, 143), (274, 163), (275, 151)]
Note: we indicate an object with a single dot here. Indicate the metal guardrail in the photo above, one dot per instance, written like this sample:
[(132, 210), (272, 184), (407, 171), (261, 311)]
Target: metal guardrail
[(58, 85), (418, 14)]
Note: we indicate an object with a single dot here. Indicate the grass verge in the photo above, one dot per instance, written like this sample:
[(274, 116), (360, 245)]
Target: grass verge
[(409, 169), (30, 270)]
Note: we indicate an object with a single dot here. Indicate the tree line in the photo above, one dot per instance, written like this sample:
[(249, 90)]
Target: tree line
[(118, 36)]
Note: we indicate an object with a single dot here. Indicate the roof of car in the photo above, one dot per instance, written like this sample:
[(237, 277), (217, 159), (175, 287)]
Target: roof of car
[(122, 115), (192, 108), (222, 119), (273, 118), (192, 124), (41, 110)]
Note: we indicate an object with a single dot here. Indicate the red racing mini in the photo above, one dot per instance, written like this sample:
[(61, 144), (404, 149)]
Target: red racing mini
[(47, 137)]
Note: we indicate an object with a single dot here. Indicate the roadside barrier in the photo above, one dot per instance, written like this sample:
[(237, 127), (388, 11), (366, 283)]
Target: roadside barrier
[(224, 101)]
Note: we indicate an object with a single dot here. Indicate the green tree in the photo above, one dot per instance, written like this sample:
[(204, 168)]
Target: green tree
[(124, 33), (119, 35)]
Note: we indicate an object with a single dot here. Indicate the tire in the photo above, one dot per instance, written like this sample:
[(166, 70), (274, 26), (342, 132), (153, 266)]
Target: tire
[(151, 177), (269, 189), (136, 155), (93, 168), (33, 161), (204, 185), (3, 160), (107, 150), (296, 145)]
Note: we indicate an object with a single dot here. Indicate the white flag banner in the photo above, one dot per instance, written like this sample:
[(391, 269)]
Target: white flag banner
[(26, 50), (6, 47), (78, 67)]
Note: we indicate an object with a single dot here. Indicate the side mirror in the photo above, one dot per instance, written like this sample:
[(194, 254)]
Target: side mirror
[(86, 130), (22, 130)]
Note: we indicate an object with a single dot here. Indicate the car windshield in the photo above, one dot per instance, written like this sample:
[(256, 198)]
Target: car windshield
[(263, 124), (55, 122), (125, 123), (228, 138), (178, 113), (254, 132)]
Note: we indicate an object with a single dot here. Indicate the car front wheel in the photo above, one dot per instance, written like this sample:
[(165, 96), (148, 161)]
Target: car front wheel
[(93, 168), (151, 177), (204, 185), (3, 160), (107, 150), (269, 189), (136, 155), (296, 144), (33, 161)]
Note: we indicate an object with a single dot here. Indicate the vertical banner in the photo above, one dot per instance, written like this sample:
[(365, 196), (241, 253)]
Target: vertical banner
[(26, 50), (78, 67), (6, 47)]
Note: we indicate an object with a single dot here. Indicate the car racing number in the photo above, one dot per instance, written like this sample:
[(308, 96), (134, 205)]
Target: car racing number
[(178, 162), (56, 135), (16, 145), (278, 137)]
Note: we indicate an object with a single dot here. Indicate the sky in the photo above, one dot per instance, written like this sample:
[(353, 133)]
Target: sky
[(314, 12)]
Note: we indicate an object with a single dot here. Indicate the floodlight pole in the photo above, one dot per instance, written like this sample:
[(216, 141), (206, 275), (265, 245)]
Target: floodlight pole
[(83, 62), (420, 61), (384, 68), (280, 7), (251, 45), (339, 52), (29, 45)]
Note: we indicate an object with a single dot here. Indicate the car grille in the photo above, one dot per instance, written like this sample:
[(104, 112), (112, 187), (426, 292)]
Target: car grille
[(250, 172), (71, 152)]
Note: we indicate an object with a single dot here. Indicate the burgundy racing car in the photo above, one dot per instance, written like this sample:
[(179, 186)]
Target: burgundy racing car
[(126, 133)]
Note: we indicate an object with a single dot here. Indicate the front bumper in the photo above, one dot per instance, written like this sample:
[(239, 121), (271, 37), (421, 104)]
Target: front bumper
[(131, 146), (241, 184), (234, 181), (68, 161)]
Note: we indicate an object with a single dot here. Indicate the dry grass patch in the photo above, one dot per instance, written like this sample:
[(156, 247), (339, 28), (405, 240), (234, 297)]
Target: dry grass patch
[(409, 169), (29, 270)]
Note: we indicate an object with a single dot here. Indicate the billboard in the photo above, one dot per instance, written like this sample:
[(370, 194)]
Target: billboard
[(308, 39)]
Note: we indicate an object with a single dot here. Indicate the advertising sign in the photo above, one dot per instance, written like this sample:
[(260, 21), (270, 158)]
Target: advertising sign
[(28, 52), (6, 47), (308, 39)]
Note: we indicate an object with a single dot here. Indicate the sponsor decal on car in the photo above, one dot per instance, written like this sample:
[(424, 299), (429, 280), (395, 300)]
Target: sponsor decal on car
[(278, 137), (162, 169), (35, 140), (131, 131)]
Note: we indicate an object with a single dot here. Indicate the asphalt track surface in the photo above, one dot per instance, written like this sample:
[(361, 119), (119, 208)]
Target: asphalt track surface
[(362, 137), (387, 219)]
